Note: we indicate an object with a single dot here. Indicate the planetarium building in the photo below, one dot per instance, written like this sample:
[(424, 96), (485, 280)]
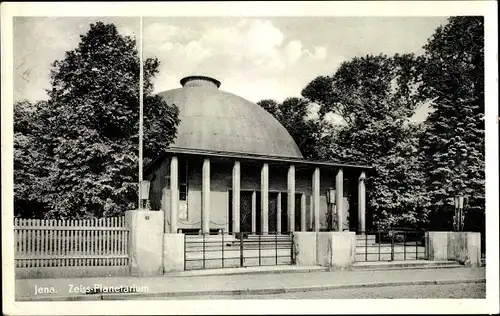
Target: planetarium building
[(234, 168)]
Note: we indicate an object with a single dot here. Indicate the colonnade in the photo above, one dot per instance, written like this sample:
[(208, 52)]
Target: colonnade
[(314, 224)]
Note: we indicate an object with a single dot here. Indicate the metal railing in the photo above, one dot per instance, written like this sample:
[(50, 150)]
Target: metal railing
[(231, 250), (391, 245)]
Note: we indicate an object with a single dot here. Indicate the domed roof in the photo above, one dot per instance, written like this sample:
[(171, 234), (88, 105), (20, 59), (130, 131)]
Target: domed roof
[(215, 120)]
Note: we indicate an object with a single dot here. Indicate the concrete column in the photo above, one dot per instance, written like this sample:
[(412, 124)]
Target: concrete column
[(254, 212), (361, 203), (264, 199), (437, 245), (291, 198), (339, 198), (304, 245), (205, 192), (145, 244), (278, 214), (464, 247), (303, 211), (311, 213), (174, 189), (311, 205), (316, 186), (236, 196), (336, 250), (166, 197), (173, 252)]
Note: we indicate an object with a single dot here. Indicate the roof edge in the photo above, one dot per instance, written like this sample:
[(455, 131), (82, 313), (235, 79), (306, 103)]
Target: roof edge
[(190, 151), (185, 80)]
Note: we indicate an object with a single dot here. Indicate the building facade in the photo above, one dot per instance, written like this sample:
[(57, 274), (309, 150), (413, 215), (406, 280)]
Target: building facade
[(234, 167)]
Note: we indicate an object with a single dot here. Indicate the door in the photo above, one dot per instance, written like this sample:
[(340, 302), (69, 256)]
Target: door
[(245, 211), (273, 212), (298, 212), (284, 212)]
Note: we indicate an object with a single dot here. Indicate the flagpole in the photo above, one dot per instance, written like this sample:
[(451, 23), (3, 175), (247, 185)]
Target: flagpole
[(141, 100)]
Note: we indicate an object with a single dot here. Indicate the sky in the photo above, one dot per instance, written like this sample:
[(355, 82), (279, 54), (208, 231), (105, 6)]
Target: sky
[(256, 58)]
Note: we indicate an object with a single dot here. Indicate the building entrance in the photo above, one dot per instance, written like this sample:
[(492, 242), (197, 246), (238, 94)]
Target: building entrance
[(245, 211), (273, 213)]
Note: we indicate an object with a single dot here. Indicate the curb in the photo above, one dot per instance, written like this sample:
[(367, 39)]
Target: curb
[(190, 275), (263, 291), (444, 265), (406, 268)]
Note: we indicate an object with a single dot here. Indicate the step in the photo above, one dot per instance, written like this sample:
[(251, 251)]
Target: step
[(237, 245), (388, 249), (199, 238), (231, 238), (236, 253), (388, 257), (365, 237), (386, 242), (236, 263), (235, 249), (407, 264), (387, 237), (364, 242)]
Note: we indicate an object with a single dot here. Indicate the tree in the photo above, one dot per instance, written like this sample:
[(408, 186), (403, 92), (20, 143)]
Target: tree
[(366, 89), (293, 114), (451, 76), (91, 136), (373, 96), (272, 107), (29, 157)]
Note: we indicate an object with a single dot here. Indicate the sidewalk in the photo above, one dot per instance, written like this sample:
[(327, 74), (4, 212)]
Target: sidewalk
[(74, 289)]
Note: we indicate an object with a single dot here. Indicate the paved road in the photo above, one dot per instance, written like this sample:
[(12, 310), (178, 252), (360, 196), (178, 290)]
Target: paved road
[(447, 291)]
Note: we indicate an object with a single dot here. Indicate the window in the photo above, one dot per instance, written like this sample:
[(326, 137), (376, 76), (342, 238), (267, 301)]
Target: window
[(183, 190), (183, 181)]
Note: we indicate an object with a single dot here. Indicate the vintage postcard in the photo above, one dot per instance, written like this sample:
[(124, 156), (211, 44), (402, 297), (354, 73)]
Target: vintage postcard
[(280, 157)]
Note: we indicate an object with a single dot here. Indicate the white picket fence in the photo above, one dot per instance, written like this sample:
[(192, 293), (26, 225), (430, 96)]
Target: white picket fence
[(71, 243)]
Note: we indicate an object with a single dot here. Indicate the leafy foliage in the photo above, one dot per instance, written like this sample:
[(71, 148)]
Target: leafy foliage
[(366, 89), (89, 137), (293, 114), (418, 168), (373, 96), (452, 78), (30, 170)]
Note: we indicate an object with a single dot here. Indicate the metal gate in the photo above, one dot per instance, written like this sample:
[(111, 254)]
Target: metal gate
[(237, 250), (391, 245)]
